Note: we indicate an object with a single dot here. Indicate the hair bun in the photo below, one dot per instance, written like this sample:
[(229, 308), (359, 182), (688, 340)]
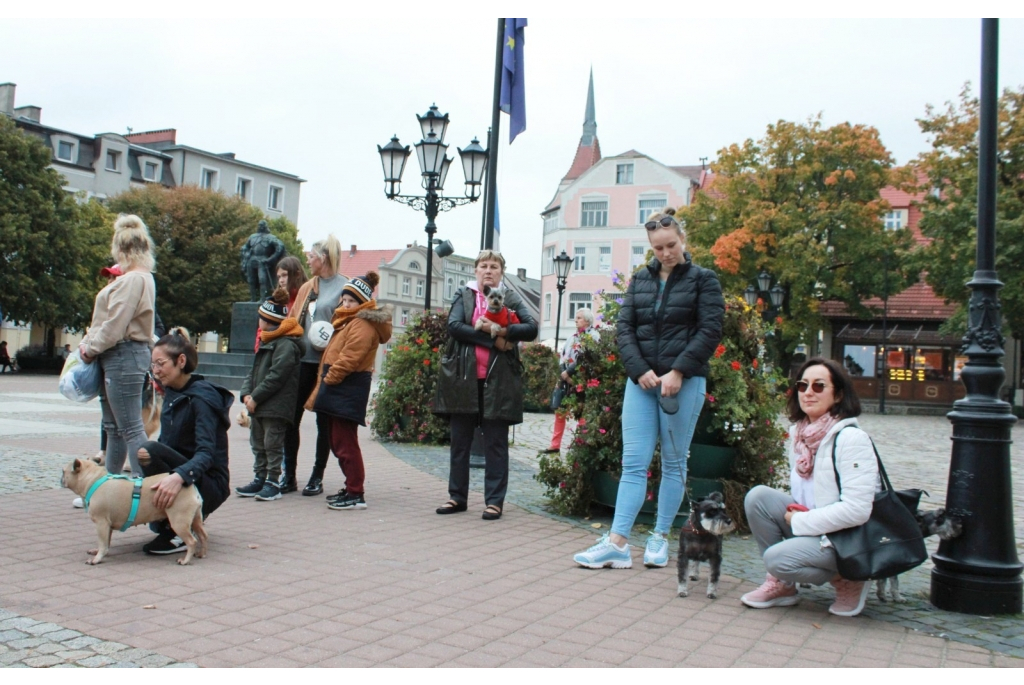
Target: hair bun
[(669, 211), (372, 279), (128, 222), (181, 331)]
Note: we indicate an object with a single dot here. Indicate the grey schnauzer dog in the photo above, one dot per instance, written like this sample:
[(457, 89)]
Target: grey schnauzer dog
[(932, 523), (701, 540)]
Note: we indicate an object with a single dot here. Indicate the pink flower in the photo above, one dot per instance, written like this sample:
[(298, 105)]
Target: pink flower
[(579, 387), (649, 474), (562, 484), (711, 398), (602, 431), (593, 383), (650, 496), (607, 408)]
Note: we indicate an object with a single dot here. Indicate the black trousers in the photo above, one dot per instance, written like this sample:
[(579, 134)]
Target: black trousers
[(307, 381), (463, 428), (164, 459)]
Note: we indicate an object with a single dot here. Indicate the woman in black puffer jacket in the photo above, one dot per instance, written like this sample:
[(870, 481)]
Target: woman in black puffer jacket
[(669, 326)]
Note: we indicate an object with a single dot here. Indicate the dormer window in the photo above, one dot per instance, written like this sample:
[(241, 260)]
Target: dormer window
[(624, 174), (113, 160), (414, 266), (65, 151), (149, 171)]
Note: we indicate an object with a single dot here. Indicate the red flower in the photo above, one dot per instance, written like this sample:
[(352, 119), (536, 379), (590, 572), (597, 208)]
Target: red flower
[(434, 349), (650, 496), (778, 320), (711, 399), (579, 387), (419, 341), (426, 362), (719, 351), (593, 383), (611, 357), (736, 366), (754, 363)]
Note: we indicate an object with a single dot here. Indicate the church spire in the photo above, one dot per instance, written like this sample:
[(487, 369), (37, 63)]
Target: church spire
[(590, 118)]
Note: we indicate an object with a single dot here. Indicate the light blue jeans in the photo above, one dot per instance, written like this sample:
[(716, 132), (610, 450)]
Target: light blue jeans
[(124, 370), (643, 423)]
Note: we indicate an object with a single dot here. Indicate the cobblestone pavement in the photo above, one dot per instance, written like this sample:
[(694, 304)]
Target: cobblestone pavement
[(916, 452), (292, 583)]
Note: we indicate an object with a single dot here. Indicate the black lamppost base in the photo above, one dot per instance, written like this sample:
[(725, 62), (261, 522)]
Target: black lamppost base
[(981, 595)]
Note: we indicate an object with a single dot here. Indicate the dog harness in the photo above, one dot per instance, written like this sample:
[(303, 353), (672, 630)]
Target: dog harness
[(136, 496), (690, 528)]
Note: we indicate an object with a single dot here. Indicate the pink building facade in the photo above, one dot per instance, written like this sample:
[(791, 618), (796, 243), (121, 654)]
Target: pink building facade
[(597, 216)]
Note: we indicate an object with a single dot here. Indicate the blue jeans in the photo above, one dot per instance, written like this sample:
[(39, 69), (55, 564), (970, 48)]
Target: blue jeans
[(643, 422), (124, 369)]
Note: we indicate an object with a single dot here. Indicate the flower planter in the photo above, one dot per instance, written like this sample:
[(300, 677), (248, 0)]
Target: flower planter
[(710, 461), (606, 490)]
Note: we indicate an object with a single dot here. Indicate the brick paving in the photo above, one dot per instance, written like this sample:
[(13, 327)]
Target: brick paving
[(292, 583)]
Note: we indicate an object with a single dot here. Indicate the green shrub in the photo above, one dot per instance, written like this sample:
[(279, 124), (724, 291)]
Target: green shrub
[(401, 407), (540, 373)]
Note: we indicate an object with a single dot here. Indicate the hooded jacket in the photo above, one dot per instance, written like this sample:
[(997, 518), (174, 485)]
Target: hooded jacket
[(683, 333), (350, 354), (195, 423), (273, 380), (457, 378)]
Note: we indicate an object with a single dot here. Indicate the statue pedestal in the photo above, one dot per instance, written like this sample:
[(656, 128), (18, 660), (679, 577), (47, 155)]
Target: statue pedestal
[(244, 318)]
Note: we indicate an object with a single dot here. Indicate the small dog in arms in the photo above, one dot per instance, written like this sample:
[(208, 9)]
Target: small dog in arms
[(935, 522), (701, 540), (496, 311)]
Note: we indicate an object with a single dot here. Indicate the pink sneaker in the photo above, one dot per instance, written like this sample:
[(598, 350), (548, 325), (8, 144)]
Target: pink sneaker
[(850, 597), (772, 593)]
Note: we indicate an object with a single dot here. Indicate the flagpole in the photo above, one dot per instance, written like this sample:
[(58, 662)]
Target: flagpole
[(492, 148)]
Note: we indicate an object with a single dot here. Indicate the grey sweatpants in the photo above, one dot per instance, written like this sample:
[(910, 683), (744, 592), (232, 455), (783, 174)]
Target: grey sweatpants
[(790, 558)]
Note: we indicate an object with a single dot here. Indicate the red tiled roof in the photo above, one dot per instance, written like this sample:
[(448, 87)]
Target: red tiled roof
[(918, 302), (586, 157), (362, 261), (162, 136)]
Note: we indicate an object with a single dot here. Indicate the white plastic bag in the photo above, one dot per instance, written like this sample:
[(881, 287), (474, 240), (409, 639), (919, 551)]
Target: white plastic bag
[(80, 382)]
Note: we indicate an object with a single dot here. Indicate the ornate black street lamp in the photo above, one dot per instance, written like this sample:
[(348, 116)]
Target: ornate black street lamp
[(979, 572), (431, 153), (776, 295), (563, 264)]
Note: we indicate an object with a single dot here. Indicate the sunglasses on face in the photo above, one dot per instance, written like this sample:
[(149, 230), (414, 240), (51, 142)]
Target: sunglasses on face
[(817, 386), (665, 222)]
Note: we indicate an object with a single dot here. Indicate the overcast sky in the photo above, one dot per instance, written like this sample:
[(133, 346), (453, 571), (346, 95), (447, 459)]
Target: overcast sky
[(315, 97)]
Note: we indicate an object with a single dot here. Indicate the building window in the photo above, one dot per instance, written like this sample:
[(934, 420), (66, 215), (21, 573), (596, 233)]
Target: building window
[(648, 207), (548, 263), (551, 222), (208, 179), (419, 287), (406, 285), (451, 287), (65, 151), (547, 306), (243, 188), (894, 220), (594, 214), (604, 262), (637, 257), (149, 171), (859, 360), (623, 174), (462, 282), (404, 318), (580, 261), (275, 198), (414, 266), (113, 160), (577, 301)]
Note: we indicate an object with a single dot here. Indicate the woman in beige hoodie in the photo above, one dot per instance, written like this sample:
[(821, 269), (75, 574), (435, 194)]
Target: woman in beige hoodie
[(119, 340)]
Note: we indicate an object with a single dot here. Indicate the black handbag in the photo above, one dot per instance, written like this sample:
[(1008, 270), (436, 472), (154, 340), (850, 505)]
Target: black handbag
[(889, 543)]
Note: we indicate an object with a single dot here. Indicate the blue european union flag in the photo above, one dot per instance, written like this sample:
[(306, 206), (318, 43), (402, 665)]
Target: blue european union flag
[(513, 73)]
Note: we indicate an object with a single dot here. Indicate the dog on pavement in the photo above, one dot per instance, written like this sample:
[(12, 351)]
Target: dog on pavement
[(935, 522), (496, 311), (111, 504), (701, 540)]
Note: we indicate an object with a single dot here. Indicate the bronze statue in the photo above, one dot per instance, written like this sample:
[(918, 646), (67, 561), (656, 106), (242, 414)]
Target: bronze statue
[(260, 255)]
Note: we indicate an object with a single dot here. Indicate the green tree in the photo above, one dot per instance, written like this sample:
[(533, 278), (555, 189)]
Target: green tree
[(198, 234), (803, 203), (950, 216), (51, 247)]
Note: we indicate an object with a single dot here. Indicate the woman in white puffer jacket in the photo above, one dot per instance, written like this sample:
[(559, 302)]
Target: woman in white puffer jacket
[(792, 528)]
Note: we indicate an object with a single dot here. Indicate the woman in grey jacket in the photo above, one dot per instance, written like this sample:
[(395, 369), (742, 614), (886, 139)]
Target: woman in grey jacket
[(792, 528)]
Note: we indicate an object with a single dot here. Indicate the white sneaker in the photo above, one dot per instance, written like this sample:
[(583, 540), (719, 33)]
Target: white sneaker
[(77, 503), (605, 553), (656, 551)]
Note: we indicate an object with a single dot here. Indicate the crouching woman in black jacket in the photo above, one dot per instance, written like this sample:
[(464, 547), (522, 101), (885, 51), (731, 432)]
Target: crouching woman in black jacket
[(668, 328), (193, 444)]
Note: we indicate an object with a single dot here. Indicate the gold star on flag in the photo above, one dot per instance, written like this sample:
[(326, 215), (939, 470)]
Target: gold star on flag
[(511, 43)]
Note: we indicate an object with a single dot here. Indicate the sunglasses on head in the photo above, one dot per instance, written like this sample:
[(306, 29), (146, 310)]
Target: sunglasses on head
[(665, 222), (816, 386)]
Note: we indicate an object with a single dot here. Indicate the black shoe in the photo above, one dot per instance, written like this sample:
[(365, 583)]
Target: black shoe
[(165, 543), (314, 487), (270, 491), (251, 489), (288, 484), (341, 493), (349, 501)]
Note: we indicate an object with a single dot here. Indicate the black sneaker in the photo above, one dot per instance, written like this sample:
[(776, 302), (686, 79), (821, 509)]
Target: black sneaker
[(341, 494), (270, 491), (349, 501), (251, 489), (314, 487), (165, 543)]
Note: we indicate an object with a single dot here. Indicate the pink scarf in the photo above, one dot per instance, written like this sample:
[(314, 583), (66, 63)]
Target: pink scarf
[(807, 438)]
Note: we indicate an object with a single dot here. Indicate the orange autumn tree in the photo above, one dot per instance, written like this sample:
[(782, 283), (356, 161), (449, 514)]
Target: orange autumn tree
[(803, 204)]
